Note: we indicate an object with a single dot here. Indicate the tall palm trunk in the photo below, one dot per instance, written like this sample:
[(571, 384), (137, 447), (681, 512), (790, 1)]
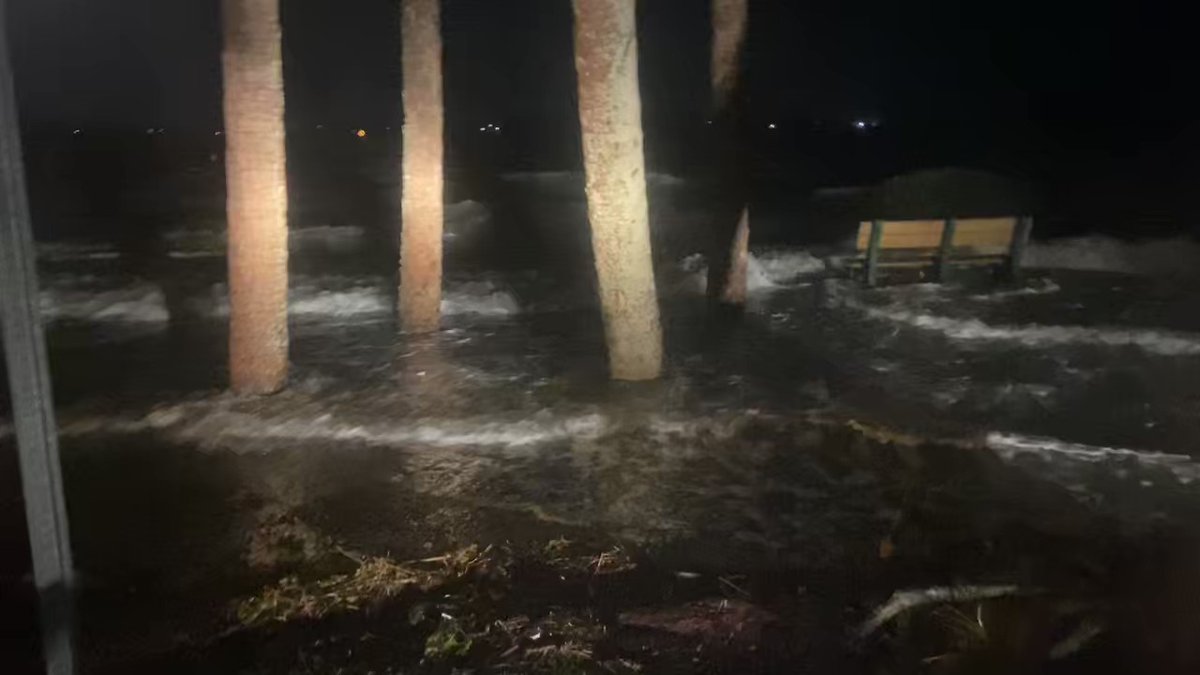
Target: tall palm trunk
[(422, 191), (256, 185), (730, 252), (610, 116)]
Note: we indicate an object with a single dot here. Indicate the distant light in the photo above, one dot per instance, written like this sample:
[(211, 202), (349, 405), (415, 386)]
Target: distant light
[(860, 124), (320, 126), (387, 128), (361, 133), (161, 130), (77, 132), (497, 129), (218, 133), (150, 130), (771, 125), (709, 122), (483, 128)]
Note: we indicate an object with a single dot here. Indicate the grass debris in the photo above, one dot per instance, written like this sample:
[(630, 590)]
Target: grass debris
[(377, 579)]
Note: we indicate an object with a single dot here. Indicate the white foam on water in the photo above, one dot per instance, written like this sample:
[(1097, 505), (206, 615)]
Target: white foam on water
[(1009, 446), (66, 251), (309, 298), (765, 270), (757, 278), (213, 426), (141, 303), (72, 297), (784, 266), (1179, 256), (1047, 287), (1160, 342), (334, 238), (308, 301), (693, 263), (480, 298)]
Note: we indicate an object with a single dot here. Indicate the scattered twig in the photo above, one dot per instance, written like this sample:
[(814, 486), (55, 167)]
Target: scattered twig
[(728, 583), (903, 601)]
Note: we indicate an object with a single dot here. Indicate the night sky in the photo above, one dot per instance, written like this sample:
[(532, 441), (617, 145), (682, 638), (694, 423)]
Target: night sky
[(1103, 76)]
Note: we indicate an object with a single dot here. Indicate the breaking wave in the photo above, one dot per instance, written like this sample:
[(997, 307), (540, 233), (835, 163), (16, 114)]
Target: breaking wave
[(211, 425), (70, 298), (66, 251), (1042, 287), (765, 270), (786, 266), (326, 238), (1010, 446), (311, 300), (1160, 342), (481, 298), (140, 303)]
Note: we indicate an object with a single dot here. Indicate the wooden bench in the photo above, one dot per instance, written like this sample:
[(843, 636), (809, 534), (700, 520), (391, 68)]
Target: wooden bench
[(941, 243)]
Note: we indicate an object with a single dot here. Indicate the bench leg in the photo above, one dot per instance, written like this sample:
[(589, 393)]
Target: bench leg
[(1020, 242), (943, 260), (872, 267)]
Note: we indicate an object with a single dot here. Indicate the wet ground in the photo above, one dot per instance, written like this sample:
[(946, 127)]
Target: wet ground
[(484, 499), (791, 471)]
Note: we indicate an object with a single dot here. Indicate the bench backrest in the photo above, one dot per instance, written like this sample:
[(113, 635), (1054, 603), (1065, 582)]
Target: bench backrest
[(980, 234)]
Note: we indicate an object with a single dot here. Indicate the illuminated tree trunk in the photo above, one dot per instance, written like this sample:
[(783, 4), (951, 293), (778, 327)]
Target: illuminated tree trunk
[(730, 252), (256, 185), (610, 116), (422, 190)]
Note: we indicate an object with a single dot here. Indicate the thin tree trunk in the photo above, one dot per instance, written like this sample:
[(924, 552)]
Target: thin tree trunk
[(610, 116), (256, 185), (729, 18), (422, 200), (730, 252)]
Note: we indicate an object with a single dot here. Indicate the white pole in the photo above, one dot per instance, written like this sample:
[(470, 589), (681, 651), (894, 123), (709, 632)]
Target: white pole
[(29, 388)]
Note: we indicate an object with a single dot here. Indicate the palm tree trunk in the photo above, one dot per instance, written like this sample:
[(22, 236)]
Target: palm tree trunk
[(256, 186), (730, 252), (422, 191), (610, 117)]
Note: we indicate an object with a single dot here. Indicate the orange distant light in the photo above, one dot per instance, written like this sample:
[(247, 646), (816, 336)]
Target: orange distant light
[(361, 133)]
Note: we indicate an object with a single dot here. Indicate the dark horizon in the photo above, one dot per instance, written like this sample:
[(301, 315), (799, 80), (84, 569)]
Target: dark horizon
[(1090, 107), (1104, 78)]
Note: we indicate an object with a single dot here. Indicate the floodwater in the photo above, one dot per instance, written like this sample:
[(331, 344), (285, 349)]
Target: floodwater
[(795, 466)]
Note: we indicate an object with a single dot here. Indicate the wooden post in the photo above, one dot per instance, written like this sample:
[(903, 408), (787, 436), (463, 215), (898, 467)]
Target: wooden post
[(730, 254), (944, 251), (29, 387), (733, 284), (256, 195), (873, 251), (1019, 243), (729, 19), (421, 205), (610, 118)]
